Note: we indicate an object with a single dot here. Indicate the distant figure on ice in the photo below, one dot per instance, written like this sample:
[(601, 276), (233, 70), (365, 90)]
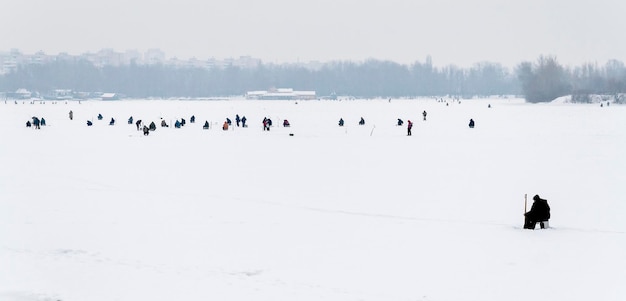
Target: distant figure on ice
[(177, 124), (340, 121), (130, 120), (237, 119), (152, 126), (36, 123), (192, 119), (229, 121), (164, 124), (225, 126), (146, 131), (362, 121), (28, 123), (471, 123), (266, 124), (89, 123), (400, 122), (539, 213), (206, 125), (138, 124), (286, 123), (424, 114), (182, 122), (489, 106), (243, 121), (409, 126), (71, 115), (99, 116), (112, 122), (43, 121)]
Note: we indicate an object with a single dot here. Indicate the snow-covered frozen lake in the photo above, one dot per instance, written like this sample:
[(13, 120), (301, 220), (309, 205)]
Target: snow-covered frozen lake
[(104, 213)]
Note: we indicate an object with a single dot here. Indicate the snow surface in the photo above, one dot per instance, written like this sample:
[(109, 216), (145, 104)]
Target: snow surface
[(104, 213)]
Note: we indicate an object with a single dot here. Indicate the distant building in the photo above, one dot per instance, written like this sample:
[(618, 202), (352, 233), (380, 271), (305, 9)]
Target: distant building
[(60, 94), (19, 94), (154, 57), (110, 96), (281, 94)]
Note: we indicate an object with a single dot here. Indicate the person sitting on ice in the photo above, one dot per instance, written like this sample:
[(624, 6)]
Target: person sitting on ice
[(99, 116), (340, 121), (362, 121), (225, 126), (28, 123), (539, 213), (192, 119), (400, 122), (206, 125), (43, 121), (229, 121), (146, 131), (130, 120), (112, 122), (177, 124), (164, 124), (471, 123), (89, 123), (286, 123), (152, 126)]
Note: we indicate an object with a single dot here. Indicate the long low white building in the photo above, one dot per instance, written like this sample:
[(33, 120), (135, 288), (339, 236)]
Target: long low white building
[(281, 94)]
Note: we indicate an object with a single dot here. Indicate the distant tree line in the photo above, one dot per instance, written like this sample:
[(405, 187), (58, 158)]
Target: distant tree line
[(538, 81), (545, 80)]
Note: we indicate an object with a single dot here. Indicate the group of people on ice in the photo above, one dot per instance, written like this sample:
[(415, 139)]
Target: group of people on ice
[(240, 121), (37, 123), (400, 122)]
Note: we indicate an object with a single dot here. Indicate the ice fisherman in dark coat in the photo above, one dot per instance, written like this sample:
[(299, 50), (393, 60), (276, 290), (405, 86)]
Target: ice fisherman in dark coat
[(539, 212), (409, 127)]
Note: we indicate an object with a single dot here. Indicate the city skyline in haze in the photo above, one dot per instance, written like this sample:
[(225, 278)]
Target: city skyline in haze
[(281, 31)]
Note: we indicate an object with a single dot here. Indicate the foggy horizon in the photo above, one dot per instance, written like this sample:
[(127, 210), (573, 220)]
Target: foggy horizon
[(422, 60), (452, 32)]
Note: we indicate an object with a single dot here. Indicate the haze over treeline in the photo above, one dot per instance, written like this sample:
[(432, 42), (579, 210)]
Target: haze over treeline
[(542, 80)]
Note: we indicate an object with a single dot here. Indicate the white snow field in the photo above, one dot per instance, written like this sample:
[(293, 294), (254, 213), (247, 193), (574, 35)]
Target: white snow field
[(104, 213)]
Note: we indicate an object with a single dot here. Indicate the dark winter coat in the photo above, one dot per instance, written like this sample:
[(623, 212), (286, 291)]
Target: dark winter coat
[(539, 211)]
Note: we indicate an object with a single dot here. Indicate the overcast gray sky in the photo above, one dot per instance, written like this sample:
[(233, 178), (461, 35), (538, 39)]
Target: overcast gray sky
[(460, 32)]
